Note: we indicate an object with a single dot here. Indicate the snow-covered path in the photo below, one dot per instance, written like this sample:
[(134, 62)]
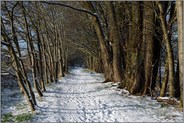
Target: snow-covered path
[(82, 97)]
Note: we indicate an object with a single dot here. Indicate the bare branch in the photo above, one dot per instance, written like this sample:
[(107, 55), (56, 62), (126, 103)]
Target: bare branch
[(15, 5), (68, 6), (5, 43)]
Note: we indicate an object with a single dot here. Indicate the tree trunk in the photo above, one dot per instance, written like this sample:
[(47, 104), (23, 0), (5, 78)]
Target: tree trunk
[(177, 82), (104, 51), (61, 59), (45, 60), (32, 55), (114, 38), (148, 30), (19, 63), (134, 71), (66, 60), (103, 48), (40, 60), (18, 72), (156, 55), (169, 50), (165, 81), (179, 6)]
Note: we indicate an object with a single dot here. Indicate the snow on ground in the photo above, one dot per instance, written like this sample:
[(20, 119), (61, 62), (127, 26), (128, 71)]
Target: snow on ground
[(82, 97)]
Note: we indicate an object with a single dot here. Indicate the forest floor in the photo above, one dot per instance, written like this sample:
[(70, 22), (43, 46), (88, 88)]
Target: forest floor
[(82, 97)]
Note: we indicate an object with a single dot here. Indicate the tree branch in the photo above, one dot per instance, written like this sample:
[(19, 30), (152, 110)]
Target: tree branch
[(15, 5), (68, 6), (5, 43)]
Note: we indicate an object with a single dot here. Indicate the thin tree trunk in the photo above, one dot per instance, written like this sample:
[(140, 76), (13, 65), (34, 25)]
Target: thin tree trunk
[(179, 6), (61, 59), (165, 81), (156, 55), (177, 82), (45, 60), (32, 55), (18, 72), (21, 70), (169, 51), (40, 60)]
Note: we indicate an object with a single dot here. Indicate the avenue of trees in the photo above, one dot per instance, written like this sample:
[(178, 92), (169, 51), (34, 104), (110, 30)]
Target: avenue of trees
[(130, 42)]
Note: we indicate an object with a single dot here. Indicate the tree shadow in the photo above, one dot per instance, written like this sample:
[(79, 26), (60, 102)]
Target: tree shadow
[(79, 95), (86, 82), (105, 110), (72, 93)]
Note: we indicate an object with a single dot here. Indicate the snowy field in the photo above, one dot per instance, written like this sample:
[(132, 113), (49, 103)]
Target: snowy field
[(82, 97)]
